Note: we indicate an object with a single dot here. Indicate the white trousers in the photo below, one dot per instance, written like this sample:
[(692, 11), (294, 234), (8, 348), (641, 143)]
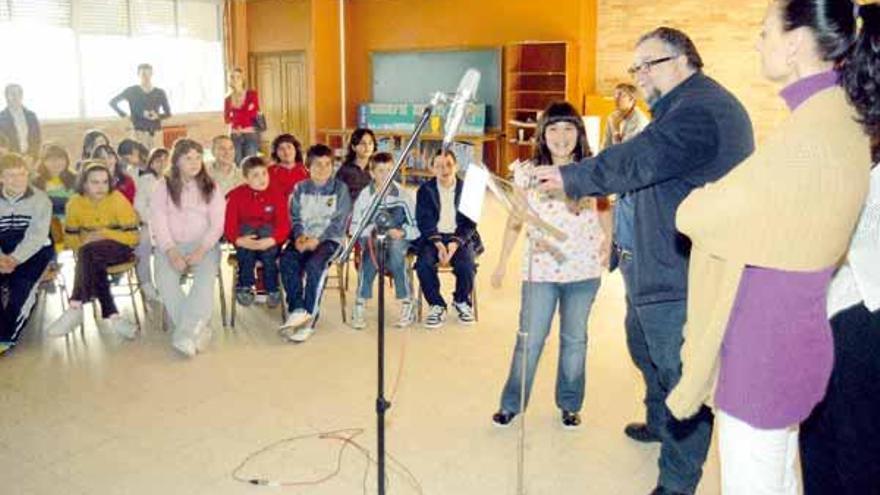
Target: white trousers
[(186, 309), (756, 461)]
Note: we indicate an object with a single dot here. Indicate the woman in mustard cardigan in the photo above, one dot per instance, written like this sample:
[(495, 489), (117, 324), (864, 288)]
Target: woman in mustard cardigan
[(102, 229), (767, 238)]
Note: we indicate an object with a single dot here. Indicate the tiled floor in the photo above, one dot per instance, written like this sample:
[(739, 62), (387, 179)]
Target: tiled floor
[(90, 414)]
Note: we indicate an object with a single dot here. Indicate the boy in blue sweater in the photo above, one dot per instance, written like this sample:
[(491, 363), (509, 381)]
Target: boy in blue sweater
[(319, 212)]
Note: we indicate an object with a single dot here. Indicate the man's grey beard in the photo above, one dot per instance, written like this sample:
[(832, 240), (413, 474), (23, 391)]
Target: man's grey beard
[(652, 96)]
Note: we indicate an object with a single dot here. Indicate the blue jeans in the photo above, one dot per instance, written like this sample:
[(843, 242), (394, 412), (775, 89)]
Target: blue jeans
[(654, 338), (463, 267), (247, 263), (395, 262), (313, 264), (539, 300), (245, 145)]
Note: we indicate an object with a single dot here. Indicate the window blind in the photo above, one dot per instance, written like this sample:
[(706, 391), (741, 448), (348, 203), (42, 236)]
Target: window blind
[(56, 13), (103, 17)]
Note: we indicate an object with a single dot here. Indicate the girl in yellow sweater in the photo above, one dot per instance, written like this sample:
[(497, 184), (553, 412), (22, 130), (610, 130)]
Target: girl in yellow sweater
[(102, 229)]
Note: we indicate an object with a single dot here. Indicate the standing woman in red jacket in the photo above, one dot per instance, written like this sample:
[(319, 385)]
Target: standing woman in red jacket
[(240, 109)]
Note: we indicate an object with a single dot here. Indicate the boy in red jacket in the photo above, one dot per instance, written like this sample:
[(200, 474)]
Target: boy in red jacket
[(257, 223)]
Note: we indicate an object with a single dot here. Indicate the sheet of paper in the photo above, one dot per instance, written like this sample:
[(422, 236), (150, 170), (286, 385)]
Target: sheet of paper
[(473, 192)]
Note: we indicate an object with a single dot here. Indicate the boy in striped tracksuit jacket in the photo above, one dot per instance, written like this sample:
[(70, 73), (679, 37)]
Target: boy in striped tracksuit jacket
[(25, 248)]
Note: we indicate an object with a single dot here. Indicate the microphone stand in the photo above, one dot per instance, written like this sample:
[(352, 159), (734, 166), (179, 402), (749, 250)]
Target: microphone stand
[(382, 222)]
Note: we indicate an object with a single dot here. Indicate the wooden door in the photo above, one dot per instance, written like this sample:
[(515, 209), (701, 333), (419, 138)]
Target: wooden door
[(280, 79)]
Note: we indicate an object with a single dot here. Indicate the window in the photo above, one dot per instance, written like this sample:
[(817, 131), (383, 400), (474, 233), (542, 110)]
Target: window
[(73, 56)]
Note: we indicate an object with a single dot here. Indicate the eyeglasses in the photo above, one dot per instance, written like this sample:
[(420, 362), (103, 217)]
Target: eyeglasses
[(645, 66)]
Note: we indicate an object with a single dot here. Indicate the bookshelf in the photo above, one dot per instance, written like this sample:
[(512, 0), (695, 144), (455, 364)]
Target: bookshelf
[(536, 73)]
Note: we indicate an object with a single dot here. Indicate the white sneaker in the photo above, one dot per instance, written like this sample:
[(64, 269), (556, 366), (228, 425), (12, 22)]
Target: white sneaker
[(297, 318), (301, 334), (465, 312), (122, 327), (436, 317), (66, 323), (150, 293), (185, 346), (203, 335), (407, 313), (357, 315)]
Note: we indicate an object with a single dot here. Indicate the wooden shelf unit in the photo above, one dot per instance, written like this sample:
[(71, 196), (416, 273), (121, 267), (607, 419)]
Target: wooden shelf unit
[(536, 74)]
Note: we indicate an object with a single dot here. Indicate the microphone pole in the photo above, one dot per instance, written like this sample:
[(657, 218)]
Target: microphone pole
[(382, 221)]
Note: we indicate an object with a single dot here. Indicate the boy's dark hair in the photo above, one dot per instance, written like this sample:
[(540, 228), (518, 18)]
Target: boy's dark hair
[(447, 153), (129, 146), (317, 151), (251, 162), (144, 66), (381, 157)]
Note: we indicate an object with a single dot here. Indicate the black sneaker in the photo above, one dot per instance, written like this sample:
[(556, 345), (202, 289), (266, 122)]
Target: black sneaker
[(571, 420), (641, 433), (502, 418)]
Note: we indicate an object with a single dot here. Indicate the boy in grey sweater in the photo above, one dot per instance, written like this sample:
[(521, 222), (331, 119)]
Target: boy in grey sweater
[(25, 248)]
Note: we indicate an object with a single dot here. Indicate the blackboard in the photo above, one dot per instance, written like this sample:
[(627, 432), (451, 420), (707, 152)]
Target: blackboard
[(413, 76)]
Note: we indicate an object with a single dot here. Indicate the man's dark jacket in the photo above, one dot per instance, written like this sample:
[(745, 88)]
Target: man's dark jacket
[(699, 133)]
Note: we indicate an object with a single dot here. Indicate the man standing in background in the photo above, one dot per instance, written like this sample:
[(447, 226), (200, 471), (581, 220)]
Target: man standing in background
[(148, 106), (20, 125)]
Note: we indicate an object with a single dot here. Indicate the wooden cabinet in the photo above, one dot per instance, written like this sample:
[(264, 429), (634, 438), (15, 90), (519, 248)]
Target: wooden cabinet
[(536, 74)]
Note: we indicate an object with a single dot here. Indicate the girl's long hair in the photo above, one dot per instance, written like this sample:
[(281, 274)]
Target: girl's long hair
[(174, 179)]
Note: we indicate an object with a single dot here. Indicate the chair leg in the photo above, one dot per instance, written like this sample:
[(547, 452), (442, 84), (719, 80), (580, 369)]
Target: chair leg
[(132, 282), (222, 295), (340, 273), (232, 300), (474, 300)]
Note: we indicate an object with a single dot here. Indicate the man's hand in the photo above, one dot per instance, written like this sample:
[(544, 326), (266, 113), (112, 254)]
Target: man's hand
[(549, 179), (396, 234)]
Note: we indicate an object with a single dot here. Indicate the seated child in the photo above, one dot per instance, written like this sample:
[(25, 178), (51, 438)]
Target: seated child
[(132, 156), (147, 174), (55, 178), (287, 170), (257, 222), (400, 207), (102, 229), (119, 181), (447, 238), (25, 249), (319, 212), (186, 219)]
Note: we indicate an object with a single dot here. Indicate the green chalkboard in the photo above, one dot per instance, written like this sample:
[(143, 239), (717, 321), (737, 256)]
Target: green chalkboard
[(413, 76)]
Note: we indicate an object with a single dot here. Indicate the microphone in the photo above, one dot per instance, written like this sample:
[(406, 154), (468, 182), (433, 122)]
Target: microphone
[(467, 89)]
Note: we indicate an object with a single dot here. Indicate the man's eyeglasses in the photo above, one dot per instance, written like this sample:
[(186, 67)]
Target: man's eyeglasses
[(645, 66)]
